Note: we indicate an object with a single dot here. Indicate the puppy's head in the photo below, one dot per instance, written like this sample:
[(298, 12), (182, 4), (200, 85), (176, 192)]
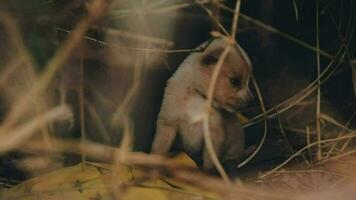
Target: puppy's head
[(231, 89)]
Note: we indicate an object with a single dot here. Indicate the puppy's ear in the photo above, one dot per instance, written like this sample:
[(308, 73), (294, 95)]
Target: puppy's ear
[(211, 57)]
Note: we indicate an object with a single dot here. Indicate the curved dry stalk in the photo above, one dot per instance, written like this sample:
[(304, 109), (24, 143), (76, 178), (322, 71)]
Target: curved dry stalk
[(23, 57), (265, 125), (123, 109), (83, 135), (235, 19), (205, 118), (216, 13), (148, 50), (289, 146), (96, 151), (232, 37), (8, 70), (353, 69), (98, 121), (351, 135), (318, 131), (210, 14), (308, 143), (336, 123), (121, 118), (16, 39), (339, 156), (121, 156), (17, 136), (140, 38), (301, 95), (349, 140), (295, 6), (323, 77)]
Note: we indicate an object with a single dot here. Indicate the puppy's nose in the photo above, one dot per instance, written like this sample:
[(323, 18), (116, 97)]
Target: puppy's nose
[(244, 99)]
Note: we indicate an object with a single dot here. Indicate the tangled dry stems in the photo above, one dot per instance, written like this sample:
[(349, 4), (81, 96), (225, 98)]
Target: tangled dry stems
[(15, 133)]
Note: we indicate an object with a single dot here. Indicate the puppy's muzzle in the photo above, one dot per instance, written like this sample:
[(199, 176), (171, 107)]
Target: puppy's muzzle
[(244, 99)]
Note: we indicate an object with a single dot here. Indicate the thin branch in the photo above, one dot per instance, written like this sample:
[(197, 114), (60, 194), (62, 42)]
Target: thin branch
[(318, 131)]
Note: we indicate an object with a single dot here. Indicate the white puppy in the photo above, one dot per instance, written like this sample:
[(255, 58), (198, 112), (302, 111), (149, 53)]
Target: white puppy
[(185, 97)]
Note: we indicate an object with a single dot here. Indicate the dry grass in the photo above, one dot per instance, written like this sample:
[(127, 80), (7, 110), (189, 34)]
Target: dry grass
[(30, 122)]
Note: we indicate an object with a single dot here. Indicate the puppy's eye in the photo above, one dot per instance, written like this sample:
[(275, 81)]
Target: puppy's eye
[(209, 60), (235, 82)]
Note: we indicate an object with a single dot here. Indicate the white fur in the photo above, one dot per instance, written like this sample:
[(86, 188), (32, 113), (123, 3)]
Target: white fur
[(182, 103)]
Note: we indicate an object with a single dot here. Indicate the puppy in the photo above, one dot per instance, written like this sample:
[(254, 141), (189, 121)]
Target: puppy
[(185, 98)]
